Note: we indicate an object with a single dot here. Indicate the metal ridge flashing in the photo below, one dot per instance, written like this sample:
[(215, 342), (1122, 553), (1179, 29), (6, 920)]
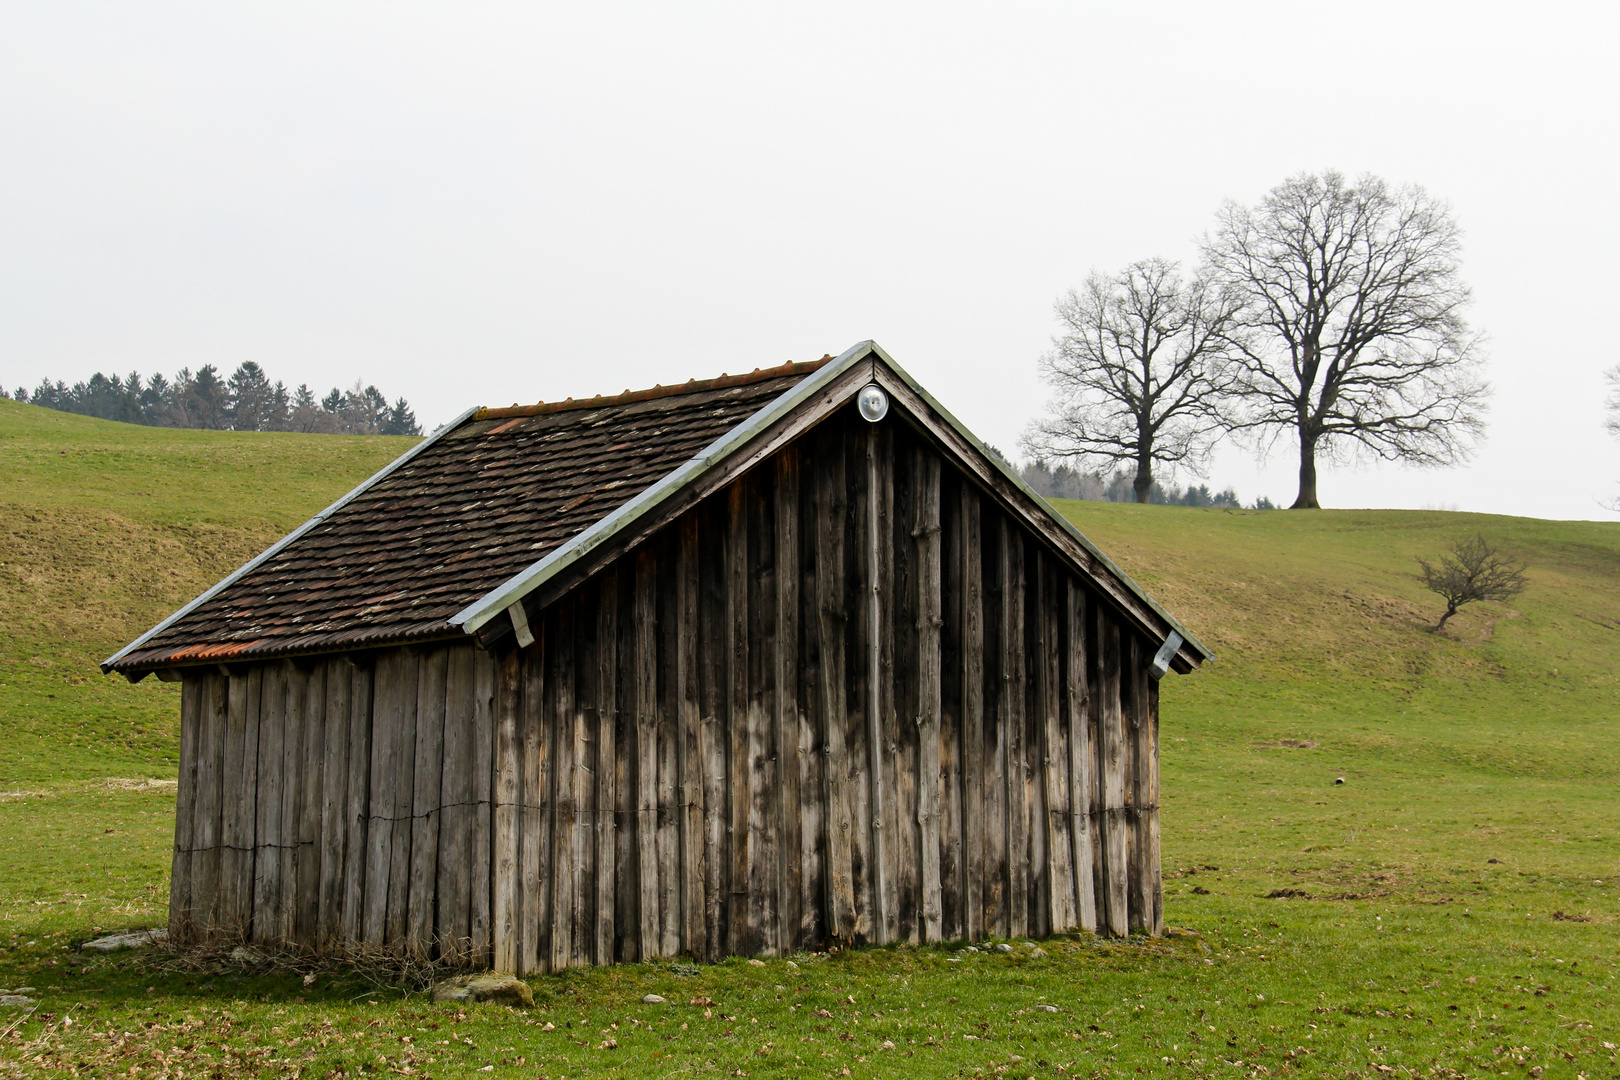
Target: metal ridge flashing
[(513, 589), (274, 549)]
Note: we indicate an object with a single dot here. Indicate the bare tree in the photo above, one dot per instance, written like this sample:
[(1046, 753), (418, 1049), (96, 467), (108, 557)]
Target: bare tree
[(1357, 341), (1612, 377), (1139, 372), (1474, 570)]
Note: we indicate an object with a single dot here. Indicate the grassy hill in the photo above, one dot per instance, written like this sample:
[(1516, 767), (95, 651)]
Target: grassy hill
[(1449, 910)]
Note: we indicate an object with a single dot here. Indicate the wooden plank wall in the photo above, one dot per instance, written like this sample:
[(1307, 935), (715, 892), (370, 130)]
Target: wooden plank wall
[(338, 806), (847, 699)]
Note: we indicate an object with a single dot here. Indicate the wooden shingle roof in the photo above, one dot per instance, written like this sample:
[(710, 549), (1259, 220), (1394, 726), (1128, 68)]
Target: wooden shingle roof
[(470, 508), (503, 509)]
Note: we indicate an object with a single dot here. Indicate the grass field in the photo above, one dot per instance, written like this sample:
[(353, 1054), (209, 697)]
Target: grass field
[(1449, 910)]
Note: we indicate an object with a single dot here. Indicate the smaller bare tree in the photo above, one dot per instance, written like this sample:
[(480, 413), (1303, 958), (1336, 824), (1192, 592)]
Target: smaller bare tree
[(1472, 571), (1612, 377), (1139, 372)]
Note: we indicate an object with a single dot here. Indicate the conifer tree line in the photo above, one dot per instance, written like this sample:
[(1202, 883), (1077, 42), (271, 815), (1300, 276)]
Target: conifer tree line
[(247, 401), (1061, 482)]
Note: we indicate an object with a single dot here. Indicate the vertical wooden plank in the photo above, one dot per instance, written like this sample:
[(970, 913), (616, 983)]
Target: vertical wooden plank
[(1081, 755), (427, 772), (952, 827), (645, 703), (713, 696), (998, 734), (336, 684), (267, 845), (1155, 883), (738, 756), (241, 770), (480, 920), (1114, 825), (380, 817), (453, 888), (787, 816), (583, 856), (1014, 675), (361, 683), (811, 806), (975, 782), (563, 722), (534, 893), (208, 812), (406, 670), (508, 808), (193, 690), (1144, 803), (929, 623), (761, 672), (293, 684), (1054, 757), (307, 891), (668, 753), (898, 685), (607, 766), (689, 738), (878, 586), (627, 888), (832, 627)]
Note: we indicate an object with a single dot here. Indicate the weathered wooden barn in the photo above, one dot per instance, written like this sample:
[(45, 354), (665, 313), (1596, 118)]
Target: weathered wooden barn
[(744, 666)]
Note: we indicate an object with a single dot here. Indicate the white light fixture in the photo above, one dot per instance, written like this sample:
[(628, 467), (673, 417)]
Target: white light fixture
[(873, 402)]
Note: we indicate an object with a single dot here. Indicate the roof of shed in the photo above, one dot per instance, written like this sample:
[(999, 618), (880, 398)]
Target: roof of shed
[(475, 522), (469, 508)]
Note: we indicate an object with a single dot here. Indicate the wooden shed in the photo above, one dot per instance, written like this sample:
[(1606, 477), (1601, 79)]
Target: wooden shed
[(745, 666)]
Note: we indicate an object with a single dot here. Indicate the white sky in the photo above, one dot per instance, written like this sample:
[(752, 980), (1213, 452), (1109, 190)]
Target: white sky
[(472, 204)]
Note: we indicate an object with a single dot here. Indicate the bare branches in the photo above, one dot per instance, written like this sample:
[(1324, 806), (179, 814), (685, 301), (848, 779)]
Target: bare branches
[(1612, 403), (1473, 571), (1354, 336), (1139, 372)]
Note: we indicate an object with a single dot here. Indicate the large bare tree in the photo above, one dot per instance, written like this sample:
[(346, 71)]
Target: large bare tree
[(1138, 370), (1357, 341)]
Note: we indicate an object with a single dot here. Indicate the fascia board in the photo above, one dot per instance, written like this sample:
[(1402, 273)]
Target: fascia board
[(1062, 522), (269, 552), (495, 602)]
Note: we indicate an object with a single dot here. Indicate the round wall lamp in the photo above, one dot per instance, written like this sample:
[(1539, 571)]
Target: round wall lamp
[(873, 402)]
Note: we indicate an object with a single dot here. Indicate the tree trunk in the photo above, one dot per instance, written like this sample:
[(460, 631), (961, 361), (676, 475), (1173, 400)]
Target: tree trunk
[(1307, 474), (1451, 609), (1143, 485)]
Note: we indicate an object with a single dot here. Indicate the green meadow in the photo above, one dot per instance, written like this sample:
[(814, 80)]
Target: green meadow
[(1451, 909)]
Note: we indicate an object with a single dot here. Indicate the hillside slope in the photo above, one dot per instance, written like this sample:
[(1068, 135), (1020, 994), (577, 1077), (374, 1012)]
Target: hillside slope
[(105, 528), (1429, 912)]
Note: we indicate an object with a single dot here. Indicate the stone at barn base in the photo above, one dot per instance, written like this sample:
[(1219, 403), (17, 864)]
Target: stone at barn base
[(114, 942), (501, 989)]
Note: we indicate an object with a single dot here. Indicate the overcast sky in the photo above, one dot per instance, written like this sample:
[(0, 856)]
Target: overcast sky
[(482, 204)]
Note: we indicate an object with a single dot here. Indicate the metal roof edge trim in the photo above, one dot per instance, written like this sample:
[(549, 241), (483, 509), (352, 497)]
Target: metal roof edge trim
[(259, 559), (497, 600), (1064, 523)]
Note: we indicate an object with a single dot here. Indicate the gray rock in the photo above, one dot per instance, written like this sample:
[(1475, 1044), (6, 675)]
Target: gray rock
[(134, 940), (501, 989), (15, 1001), (246, 954), (1003, 947), (1036, 952), (652, 999), (1047, 1008)]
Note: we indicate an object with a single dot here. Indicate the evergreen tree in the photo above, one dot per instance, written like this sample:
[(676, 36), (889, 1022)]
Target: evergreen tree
[(208, 403), (401, 420), (250, 398)]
